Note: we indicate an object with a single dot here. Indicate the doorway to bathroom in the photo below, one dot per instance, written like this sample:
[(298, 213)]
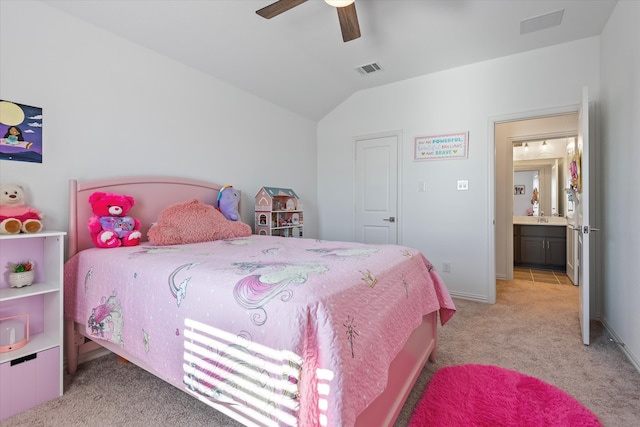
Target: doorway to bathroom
[(583, 190), (512, 138)]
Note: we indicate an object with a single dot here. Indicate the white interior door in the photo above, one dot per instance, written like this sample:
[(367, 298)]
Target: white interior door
[(572, 255), (376, 189), (583, 217)]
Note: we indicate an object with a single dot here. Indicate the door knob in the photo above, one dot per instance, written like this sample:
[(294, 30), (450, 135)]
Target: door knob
[(390, 219)]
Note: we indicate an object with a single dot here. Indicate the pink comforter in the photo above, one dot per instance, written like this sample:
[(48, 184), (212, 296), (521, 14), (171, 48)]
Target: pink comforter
[(291, 328)]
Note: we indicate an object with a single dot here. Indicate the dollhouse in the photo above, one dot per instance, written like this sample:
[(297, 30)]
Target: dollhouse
[(278, 212)]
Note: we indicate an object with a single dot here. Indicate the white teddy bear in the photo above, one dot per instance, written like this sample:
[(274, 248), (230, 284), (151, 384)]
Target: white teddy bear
[(15, 215)]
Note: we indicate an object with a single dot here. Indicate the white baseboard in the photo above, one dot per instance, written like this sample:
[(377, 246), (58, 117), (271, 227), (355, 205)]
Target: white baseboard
[(635, 361), (93, 354), (88, 356), (467, 296)]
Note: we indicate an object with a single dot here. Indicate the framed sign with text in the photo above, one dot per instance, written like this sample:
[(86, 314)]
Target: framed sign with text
[(447, 146)]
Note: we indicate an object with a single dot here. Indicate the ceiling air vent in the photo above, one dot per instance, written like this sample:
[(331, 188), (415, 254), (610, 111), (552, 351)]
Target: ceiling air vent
[(368, 68), (541, 22)]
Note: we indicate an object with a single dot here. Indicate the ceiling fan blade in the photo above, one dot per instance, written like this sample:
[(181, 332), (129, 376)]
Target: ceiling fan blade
[(275, 9), (349, 22)]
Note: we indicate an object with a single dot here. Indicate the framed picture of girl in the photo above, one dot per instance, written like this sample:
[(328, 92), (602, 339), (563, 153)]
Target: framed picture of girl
[(20, 132)]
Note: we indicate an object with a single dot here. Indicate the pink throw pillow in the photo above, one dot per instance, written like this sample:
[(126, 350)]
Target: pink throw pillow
[(193, 222)]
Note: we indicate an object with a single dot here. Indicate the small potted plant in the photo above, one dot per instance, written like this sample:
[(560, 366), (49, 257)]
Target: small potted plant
[(22, 274)]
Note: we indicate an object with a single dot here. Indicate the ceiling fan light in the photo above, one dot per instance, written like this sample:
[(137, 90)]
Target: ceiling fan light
[(339, 3)]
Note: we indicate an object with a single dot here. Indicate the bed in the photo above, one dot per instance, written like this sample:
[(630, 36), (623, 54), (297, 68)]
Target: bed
[(268, 330)]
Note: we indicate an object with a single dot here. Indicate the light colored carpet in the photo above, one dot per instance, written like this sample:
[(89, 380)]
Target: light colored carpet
[(533, 329)]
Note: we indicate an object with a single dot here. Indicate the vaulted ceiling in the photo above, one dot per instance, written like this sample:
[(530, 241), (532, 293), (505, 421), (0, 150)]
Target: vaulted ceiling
[(298, 60)]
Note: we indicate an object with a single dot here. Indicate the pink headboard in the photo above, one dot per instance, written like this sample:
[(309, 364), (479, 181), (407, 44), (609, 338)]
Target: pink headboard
[(151, 193)]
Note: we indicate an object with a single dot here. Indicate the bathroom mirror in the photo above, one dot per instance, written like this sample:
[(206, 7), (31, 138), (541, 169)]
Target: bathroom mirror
[(540, 166)]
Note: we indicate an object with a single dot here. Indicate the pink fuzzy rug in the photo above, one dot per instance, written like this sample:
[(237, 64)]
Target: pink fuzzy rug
[(483, 395)]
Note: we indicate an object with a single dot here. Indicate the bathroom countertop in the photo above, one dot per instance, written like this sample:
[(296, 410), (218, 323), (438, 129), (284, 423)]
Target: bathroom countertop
[(535, 220)]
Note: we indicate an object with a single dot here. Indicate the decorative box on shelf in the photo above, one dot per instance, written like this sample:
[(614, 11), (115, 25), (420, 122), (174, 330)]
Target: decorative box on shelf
[(278, 212)]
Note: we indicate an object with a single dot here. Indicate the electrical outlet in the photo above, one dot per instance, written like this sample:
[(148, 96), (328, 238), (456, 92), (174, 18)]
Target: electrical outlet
[(463, 184), (446, 267)]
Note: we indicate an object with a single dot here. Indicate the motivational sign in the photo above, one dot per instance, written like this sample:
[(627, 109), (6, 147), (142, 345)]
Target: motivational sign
[(449, 146)]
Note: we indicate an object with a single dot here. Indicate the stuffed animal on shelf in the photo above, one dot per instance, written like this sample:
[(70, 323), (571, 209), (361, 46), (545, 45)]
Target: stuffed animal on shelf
[(228, 202), (110, 226), (15, 215)]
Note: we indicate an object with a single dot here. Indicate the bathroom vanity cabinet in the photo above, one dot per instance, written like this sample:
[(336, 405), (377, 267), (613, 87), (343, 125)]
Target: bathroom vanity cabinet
[(540, 246)]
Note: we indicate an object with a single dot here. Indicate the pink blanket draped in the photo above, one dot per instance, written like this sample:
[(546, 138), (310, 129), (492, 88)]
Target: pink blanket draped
[(305, 326)]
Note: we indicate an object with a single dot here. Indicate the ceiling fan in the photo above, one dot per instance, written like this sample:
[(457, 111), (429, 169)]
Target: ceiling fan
[(346, 14)]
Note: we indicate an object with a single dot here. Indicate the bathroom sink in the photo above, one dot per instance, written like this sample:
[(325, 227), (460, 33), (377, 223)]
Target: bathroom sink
[(540, 220)]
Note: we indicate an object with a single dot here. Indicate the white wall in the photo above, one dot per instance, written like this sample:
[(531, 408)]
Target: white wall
[(112, 108), (620, 148), (446, 224)]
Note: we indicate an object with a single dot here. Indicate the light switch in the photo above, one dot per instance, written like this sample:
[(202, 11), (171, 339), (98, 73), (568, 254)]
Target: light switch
[(422, 186), (463, 184)]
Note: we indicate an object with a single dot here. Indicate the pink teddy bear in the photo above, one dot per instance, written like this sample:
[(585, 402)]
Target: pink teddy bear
[(110, 226)]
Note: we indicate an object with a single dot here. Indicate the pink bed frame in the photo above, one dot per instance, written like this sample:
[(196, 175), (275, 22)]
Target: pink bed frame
[(152, 195)]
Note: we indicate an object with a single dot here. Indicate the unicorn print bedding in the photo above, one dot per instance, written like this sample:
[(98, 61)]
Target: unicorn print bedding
[(297, 331)]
